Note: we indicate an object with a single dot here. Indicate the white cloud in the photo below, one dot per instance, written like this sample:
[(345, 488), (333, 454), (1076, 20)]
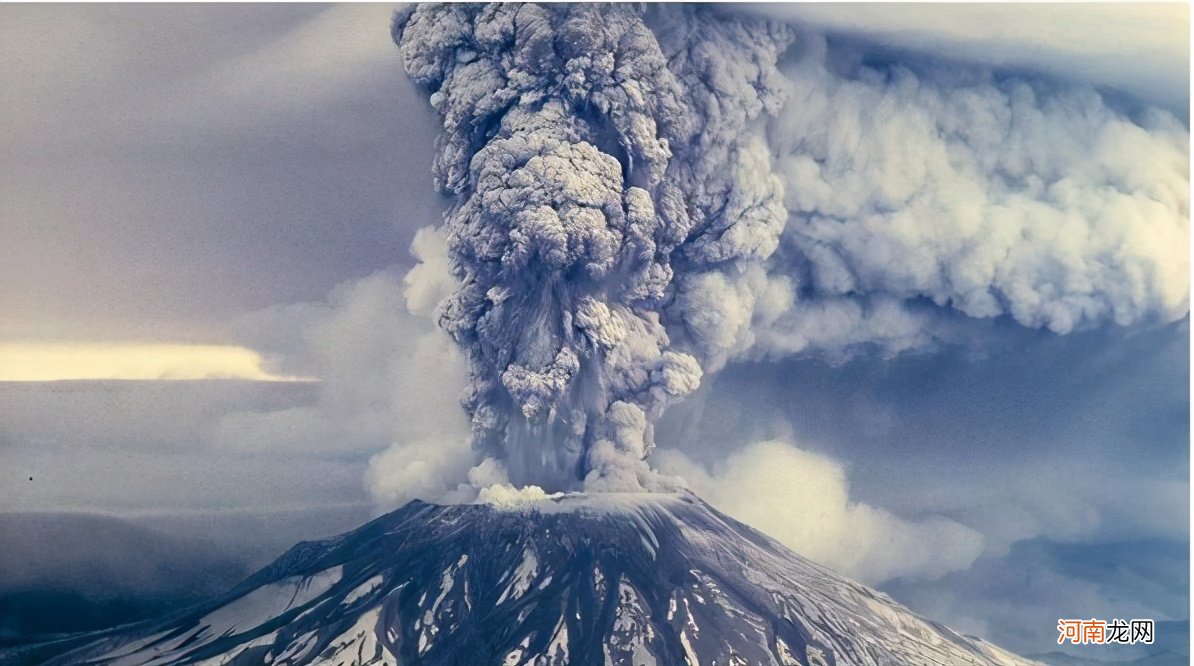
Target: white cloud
[(430, 469), (430, 280), (390, 379), (803, 500)]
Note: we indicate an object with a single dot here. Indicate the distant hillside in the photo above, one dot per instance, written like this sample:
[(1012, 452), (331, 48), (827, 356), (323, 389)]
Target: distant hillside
[(70, 572), (63, 573)]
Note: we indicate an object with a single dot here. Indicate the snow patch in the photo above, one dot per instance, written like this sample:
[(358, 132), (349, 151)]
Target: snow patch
[(558, 647), (362, 590), (268, 602), (690, 656), (297, 650), (358, 645), (526, 572), (230, 656), (515, 656)]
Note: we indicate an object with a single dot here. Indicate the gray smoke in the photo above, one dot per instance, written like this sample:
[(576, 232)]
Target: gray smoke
[(598, 156), (643, 194)]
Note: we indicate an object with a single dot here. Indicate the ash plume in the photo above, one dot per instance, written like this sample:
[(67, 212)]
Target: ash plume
[(978, 193), (599, 157), (642, 195)]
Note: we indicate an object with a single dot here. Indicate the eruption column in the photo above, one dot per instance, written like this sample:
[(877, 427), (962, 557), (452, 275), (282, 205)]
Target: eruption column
[(606, 166)]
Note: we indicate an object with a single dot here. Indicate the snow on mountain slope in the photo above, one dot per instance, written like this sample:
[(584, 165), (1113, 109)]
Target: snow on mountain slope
[(600, 579)]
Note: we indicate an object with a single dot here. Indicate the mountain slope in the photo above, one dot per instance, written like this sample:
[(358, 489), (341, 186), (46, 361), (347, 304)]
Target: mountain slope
[(602, 579)]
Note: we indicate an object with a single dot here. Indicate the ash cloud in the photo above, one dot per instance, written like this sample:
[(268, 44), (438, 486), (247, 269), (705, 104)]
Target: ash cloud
[(599, 157), (643, 196), (985, 196)]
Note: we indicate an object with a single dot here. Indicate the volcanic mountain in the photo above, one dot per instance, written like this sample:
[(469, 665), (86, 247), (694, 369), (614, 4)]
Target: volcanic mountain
[(625, 579)]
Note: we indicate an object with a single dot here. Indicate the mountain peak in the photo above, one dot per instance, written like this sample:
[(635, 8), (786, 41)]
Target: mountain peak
[(603, 578)]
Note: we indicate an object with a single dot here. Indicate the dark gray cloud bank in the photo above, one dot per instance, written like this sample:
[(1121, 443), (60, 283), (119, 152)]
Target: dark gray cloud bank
[(936, 338)]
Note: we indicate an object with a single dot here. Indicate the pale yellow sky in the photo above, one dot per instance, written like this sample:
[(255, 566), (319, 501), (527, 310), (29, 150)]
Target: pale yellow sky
[(41, 362)]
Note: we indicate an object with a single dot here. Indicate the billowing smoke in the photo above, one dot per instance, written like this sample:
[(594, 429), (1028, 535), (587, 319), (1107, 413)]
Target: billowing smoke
[(599, 156), (981, 195), (641, 195)]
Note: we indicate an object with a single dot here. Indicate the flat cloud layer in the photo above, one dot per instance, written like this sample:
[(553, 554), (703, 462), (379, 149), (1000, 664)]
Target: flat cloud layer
[(1140, 48), (42, 362)]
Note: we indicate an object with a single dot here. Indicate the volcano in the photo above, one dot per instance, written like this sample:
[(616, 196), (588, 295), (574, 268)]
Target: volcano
[(624, 579)]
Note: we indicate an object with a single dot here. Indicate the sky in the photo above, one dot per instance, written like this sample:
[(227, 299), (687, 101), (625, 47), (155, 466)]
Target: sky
[(202, 161), (229, 194)]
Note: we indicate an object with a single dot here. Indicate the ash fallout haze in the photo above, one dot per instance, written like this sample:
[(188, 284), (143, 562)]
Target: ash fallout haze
[(708, 312)]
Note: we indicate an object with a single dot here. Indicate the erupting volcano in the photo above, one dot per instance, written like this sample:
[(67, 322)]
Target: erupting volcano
[(628, 213), (629, 579)]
